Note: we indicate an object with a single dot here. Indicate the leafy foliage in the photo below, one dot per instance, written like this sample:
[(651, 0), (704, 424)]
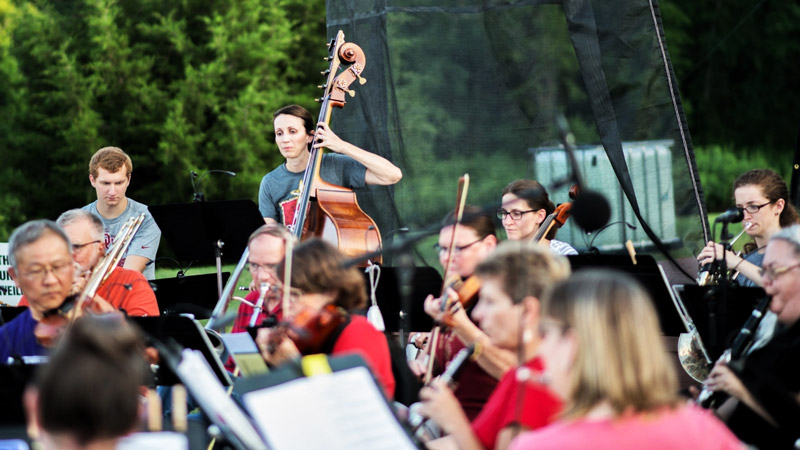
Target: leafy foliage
[(179, 86)]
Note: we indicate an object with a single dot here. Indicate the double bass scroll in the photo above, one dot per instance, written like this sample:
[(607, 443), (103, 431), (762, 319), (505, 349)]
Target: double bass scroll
[(323, 209)]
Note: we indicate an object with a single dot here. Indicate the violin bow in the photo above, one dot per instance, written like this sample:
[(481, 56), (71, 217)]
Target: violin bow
[(463, 187)]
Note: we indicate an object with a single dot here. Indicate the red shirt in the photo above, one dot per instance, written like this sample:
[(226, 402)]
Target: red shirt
[(539, 406), (125, 289), (359, 336), (245, 313)]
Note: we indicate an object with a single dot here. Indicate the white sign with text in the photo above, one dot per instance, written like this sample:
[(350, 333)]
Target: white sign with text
[(9, 292)]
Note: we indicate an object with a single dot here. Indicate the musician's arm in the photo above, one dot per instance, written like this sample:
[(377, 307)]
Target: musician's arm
[(380, 170), (135, 262), (269, 220)]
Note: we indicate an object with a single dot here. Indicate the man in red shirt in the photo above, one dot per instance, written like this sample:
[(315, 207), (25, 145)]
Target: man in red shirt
[(267, 246), (124, 289)]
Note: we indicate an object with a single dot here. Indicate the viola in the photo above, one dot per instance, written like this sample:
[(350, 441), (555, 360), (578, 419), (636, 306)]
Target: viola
[(558, 217), (323, 209)]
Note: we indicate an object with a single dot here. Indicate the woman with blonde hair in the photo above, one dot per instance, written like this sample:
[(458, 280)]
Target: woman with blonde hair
[(602, 350)]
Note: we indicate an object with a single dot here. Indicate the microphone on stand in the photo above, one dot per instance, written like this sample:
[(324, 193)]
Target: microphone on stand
[(590, 210), (198, 195)]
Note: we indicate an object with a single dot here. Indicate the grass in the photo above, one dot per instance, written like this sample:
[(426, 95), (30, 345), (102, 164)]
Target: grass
[(244, 280)]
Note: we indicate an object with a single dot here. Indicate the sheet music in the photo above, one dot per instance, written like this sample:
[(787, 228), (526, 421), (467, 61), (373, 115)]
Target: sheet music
[(161, 440), (342, 410), (203, 384)]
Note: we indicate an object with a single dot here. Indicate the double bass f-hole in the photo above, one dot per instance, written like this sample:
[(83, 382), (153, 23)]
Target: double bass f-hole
[(323, 209)]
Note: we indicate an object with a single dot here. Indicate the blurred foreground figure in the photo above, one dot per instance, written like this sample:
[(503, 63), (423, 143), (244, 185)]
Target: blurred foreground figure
[(88, 395), (603, 354)]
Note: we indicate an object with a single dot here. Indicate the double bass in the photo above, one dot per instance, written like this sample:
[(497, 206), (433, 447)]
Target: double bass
[(323, 209)]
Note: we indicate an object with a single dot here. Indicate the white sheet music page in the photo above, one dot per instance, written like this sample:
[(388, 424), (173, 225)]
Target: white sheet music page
[(342, 410), (200, 381)]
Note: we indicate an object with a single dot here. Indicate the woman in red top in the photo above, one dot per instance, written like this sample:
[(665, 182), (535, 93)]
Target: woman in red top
[(319, 279), (512, 280)]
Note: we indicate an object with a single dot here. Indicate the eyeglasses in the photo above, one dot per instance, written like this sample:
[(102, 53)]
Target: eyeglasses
[(457, 249), (255, 267), (774, 273), (76, 247), (515, 214), (752, 209), (40, 274)]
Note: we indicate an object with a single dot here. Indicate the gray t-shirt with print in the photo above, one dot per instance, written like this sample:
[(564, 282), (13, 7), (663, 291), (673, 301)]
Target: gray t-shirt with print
[(144, 243), (277, 196)]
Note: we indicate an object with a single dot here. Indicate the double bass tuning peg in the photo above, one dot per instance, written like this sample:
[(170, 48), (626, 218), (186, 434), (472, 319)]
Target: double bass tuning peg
[(325, 72)]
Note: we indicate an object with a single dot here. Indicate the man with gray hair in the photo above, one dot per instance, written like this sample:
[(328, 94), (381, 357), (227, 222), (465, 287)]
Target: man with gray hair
[(764, 407), (124, 289), (43, 269)]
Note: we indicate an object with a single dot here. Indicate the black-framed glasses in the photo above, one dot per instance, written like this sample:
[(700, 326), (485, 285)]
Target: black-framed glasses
[(76, 247), (515, 214), (752, 209), (457, 249), (774, 273), (255, 267)]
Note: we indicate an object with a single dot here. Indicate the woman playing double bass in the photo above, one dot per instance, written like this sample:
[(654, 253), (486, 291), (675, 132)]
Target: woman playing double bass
[(349, 166)]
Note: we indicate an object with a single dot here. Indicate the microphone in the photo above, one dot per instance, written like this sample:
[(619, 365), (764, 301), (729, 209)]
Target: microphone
[(732, 215), (590, 211), (198, 196)]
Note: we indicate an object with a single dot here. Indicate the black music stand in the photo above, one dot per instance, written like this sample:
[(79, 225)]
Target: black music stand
[(8, 313), (648, 274), (13, 380), (426, 280), (187, 333), (192, 294), (708, 315), (199, 232)]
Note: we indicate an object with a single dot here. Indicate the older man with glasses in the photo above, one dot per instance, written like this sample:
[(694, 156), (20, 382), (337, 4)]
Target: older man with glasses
[(42, 267), (124, 289), (764, 407)]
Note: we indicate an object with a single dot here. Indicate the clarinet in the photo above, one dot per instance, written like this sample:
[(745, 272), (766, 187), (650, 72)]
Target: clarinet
[(708, 398)]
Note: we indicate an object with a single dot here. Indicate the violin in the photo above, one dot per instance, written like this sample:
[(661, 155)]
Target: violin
[(310, 330), (56, 321), (324, 209), (558, 217), (467, 294)]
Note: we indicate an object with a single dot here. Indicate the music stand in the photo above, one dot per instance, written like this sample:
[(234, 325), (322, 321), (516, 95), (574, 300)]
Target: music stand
[(187, 333), (8, 313), (648, 274), (426, 280), (740, 305), (198, 232), (193, 294)]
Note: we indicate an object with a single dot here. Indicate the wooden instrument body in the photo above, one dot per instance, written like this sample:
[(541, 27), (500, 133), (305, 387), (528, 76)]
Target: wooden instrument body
[(332, 212)]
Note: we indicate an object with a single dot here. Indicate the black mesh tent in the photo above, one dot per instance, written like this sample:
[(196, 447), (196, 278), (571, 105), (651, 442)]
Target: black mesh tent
[(475, 87)]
